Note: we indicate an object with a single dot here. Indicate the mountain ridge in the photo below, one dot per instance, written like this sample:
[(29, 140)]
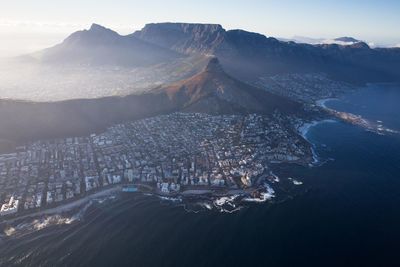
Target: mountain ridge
[(212, 89), (102, 46), (243, 54), (262, 55)]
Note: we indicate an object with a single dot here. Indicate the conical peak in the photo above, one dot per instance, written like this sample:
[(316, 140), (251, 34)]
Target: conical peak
[(97, 27), (214, 65)]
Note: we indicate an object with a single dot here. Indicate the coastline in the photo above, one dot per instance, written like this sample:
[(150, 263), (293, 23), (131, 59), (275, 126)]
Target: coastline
[(67, 206), (304, 129), (86, 200), (321, 102)]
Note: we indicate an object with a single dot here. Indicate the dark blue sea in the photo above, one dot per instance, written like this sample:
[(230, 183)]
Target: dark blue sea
[(347, 214)]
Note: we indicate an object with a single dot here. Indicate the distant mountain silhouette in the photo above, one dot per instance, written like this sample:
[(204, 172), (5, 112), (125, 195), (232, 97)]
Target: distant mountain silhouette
[(244, 55), (347, 39), (102, 46), (248, 55)]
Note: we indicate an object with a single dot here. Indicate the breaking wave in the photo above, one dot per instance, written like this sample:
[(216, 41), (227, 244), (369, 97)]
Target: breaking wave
[(44, 221)]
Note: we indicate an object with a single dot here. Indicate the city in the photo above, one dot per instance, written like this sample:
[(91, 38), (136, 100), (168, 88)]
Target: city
[(305, 87), (170, 154), (199, 133)]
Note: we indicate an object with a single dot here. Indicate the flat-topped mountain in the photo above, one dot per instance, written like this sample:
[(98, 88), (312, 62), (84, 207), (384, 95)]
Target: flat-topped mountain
[(185, 38), (244, 55), (248, 55), (347, 39)]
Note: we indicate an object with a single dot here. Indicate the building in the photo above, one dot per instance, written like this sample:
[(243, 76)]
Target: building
[(9, 208)]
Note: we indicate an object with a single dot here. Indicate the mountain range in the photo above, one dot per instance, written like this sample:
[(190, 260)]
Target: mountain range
[(245, 55), (100, 46), (233, 60)]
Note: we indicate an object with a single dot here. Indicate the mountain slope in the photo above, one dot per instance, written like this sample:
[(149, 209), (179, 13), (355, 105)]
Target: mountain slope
[(184, 38), (214, 91), (102, 46), (249, 55), (244, 55), (22, 120)]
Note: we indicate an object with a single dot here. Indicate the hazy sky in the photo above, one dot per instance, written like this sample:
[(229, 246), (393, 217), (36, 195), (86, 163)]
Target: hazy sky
[(27, 25)]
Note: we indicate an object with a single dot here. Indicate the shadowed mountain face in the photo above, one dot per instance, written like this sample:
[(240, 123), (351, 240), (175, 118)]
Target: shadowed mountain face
[(244, 55), (102, 46), (185, 38), (23, 121), (213, 91), (210, 91), (248, 55)]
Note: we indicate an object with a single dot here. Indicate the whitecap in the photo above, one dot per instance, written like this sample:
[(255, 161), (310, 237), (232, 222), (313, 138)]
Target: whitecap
[(264, 196), (295, 182), (173, 199)]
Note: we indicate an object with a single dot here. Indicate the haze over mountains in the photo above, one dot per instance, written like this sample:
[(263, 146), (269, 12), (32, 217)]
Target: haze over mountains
[(176, 67), (243, 54), (100, 46), (99, 62)]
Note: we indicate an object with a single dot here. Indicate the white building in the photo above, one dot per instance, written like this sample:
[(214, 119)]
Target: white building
[(10, 207), (164, 188)]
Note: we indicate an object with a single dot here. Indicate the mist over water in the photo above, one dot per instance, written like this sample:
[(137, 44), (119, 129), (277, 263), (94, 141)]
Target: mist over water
[(349, 214)]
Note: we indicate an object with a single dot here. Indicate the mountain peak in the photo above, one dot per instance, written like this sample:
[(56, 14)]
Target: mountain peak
[(214, 91), (97, 27), (360, 45), (347, 39), (214, 66), (99, 45), (97, 34)]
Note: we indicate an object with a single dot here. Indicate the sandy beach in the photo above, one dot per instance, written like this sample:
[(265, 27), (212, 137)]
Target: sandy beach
[(321, 102), (305, 128)]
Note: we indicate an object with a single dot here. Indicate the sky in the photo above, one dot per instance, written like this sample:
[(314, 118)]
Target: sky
[(29, 25)]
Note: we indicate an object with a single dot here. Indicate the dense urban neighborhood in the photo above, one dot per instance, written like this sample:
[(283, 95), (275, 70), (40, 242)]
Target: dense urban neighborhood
[(305, 87), (169, 154)]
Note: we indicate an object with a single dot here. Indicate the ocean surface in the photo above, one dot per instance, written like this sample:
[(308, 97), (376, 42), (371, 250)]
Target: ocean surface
[(347, 214)]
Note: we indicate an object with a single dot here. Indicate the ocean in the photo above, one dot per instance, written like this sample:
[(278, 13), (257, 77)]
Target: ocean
[(347, 212)]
